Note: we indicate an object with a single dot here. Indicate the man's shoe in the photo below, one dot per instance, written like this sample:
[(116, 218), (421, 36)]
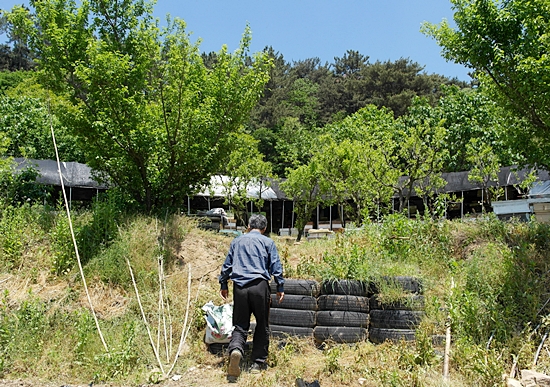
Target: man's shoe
[(234, 369), (256, 368)]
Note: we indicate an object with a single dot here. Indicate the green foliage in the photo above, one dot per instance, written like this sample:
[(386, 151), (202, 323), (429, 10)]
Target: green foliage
[(302, 186), (307, 94), (20, 229), (485, 167), (108, 265), (122, 359), (471, 114), (64, 254), (10, 79), (27, 121), (147, 111), (347, 262), (332, 358), (102, 229), (84, 330), (483, 367), (506, 44), (245, 168), (22, 332), (11, 238)]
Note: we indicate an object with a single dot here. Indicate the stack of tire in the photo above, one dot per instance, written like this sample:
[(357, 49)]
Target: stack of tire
[(397, 320), (296, 315), (343, 315)]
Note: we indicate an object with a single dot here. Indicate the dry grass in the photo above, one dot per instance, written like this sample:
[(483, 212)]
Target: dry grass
[(184, 248)]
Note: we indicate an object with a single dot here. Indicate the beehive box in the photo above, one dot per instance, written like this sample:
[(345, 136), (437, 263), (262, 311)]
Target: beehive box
[(319, 234), (542, 212)]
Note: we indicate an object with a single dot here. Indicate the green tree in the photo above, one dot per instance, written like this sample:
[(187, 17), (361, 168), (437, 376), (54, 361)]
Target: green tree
[(353, 168), (418, 155), (506, 43), (347, 180), (15, 55), (294, 143), (468, 114), (485, 169), (245, 169), (26, 121), (302, 186), (151, 116)]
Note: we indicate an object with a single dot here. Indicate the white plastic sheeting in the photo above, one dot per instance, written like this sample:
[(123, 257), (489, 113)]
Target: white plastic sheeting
[(217, 188)]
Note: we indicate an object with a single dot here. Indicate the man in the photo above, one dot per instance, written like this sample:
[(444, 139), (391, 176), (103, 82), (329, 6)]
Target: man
[(251, 261)]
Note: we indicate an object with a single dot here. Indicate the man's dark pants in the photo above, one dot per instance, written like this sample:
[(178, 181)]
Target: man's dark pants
[(253, 298)]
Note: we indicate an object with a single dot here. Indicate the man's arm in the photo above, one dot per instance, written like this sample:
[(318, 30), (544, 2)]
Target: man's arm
[(276, 269), (225, 273)]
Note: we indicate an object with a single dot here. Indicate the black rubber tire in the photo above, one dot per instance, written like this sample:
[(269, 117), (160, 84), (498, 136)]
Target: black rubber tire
[(298, 287), (407, 283), (345, 287), (343, 302), (379, 335), (395, 319), (340, 334), (411, 302), (340, 318), (292, 317), (282, 331), (293, 301)]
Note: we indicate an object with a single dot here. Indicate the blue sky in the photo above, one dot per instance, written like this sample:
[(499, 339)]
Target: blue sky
[(301, 29)]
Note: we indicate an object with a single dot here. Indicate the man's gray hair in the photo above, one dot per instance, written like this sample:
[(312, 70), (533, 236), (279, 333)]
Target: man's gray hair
[(257, 222)]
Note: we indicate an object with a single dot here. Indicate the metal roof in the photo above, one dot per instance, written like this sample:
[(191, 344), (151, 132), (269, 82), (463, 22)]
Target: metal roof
[(76, 175), (80, 175)]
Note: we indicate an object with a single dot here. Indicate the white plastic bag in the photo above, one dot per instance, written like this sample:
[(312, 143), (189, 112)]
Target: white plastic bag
[(219, 323)]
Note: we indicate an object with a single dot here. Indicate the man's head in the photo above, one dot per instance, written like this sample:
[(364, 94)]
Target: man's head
[(257, 222)]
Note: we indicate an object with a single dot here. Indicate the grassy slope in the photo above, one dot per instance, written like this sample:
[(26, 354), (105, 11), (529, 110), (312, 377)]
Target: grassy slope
[(490, 276)]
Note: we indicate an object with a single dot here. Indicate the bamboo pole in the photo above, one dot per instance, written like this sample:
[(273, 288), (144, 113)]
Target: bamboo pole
[(73, 236)]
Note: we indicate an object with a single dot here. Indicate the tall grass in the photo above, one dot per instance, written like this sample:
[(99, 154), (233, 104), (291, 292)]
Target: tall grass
[(491, 278)]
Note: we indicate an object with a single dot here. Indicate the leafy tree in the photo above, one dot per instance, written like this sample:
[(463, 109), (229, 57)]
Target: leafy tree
[(15, 55), (506, 44), (346, 178), (271, 109), (294, 143), (302, 186), (245, 169), (486, 167), (151, 116), (26, 121), (353, 167), (10, 79), (469, 114), (418, 156)]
